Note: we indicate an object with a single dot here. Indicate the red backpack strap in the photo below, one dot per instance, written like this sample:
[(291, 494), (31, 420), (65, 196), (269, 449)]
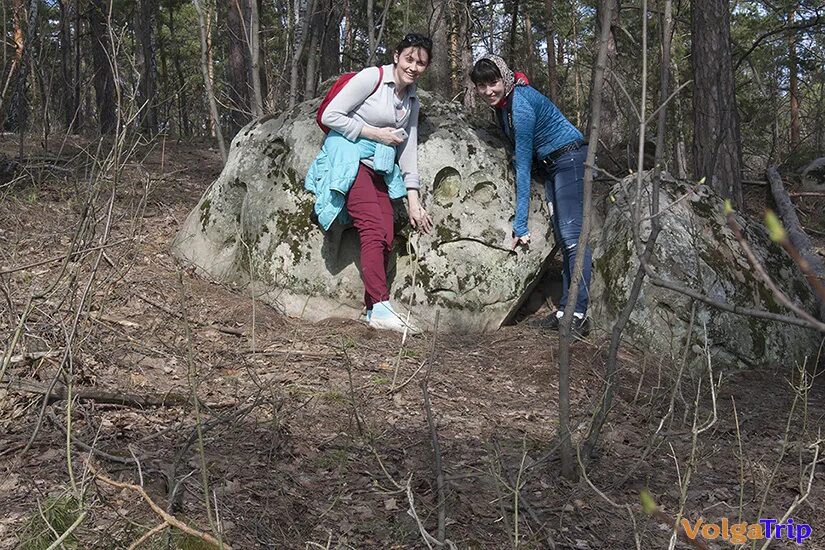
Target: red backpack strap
[(380, 79)]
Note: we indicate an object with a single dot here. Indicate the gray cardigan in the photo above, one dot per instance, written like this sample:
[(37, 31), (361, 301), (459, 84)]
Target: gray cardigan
[(355, 106)]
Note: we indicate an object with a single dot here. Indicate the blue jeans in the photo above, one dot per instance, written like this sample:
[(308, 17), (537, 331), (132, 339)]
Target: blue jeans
[(564, 189)]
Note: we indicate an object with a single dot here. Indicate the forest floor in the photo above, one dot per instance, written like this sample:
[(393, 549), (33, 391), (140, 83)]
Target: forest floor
[(307, 436)]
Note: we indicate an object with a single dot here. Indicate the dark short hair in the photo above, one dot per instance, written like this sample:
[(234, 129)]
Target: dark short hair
[(415, 40), (484, 72)]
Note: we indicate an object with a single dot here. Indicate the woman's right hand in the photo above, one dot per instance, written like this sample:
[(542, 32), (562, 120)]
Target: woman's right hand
[(386, 135)]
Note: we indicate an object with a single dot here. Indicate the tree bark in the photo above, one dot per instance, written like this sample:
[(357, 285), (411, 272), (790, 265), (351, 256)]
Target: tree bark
[(370, 30), (793, 80), (163, 75), (716, 143), (68, 102), (103, 78), (313, 52), (552, 70), (612, 129), (183, 104), (565, 436), (330, 45), (239, 100), (530, 62), (147, 64), (348, 35), (439, 69), (466, 52), (255, 59), (207, 77), (511, 51), (301, 30), (18, 113)]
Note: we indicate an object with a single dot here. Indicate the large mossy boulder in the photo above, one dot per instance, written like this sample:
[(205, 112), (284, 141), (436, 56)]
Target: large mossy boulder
[(696, 249), (253, 226)]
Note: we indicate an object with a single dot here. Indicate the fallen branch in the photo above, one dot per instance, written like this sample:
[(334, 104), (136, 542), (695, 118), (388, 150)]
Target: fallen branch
[(167, 518), (220, 328), (521, 500), (31, 357), (815, 272), (780, 296), (429, 540), (58, 393), (77, 256), (439, 470)]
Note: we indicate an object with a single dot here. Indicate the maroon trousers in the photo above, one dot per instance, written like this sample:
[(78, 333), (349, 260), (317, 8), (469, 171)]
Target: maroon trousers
[(368, 203)]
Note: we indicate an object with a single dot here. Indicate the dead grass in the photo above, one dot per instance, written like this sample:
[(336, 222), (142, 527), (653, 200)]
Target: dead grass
[(286, 463)]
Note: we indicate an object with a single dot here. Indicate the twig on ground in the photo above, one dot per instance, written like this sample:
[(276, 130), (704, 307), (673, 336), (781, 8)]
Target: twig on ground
[(604, 497), (428, 362), (69, 531), (58, 392), (220, 328), (86, 447), (75, 255), (429, 540), (353, 401), (148, 535), (799, 499), (166, 517), (439, 471), (522, 501), (193, 379)]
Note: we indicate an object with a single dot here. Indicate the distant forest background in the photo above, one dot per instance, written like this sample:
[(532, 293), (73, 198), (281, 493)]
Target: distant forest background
[(205, 68)]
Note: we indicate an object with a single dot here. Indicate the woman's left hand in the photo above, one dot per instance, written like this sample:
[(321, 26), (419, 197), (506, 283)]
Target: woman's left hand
[(419, 218), (524, 240)]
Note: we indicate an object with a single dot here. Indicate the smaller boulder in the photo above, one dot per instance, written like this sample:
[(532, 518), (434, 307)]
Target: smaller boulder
[(696, 249), (813, 176)]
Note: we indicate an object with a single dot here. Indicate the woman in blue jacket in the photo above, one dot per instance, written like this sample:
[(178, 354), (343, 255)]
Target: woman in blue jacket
[(538, 130)]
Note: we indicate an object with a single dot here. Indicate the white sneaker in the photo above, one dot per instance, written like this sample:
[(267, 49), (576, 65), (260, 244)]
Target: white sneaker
[(385, 318)]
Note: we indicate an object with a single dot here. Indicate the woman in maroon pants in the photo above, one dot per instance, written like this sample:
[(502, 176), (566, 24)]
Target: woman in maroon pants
[(378, 109)]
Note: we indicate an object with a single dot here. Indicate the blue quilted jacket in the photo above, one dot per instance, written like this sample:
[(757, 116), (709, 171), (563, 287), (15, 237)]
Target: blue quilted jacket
[(333, 172)]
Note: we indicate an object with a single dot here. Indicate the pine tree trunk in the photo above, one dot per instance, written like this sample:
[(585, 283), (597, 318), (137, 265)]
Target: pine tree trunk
[(103, 78), (793, 80), (311, 76), (552, 70), (302, 28), (716, 142), (370, 30), (348, 36), (67, 85), (163, 75), (531, 49), (330, 45), (147, 64), (612, 128), (464, 32), (18, 113), (183, 104), (78, 28), (255, 59), (206, 71), (239, 101), (439, 69), (511, 50)]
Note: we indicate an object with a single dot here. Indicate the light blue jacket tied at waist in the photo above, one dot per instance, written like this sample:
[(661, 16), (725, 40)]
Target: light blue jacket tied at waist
[(333, 172)]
